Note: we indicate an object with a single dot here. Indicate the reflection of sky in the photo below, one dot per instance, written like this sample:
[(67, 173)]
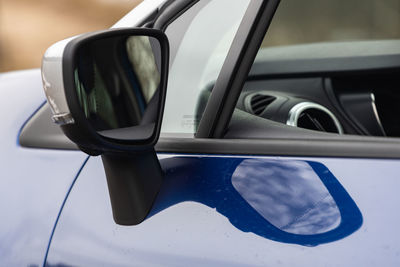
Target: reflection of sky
[(290, 195), (210, 212)]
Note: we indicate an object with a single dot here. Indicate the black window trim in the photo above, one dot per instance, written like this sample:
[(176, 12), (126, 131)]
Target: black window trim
[(235, 69), (237, 64)]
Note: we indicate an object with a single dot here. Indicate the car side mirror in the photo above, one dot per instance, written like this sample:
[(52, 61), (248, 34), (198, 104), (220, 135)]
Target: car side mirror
[(107, 91)]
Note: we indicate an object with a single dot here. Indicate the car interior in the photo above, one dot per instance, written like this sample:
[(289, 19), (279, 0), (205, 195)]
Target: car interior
[(311, 87), (326, 70)]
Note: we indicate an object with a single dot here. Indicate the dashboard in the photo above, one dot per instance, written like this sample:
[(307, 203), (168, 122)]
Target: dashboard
[(339, 88)]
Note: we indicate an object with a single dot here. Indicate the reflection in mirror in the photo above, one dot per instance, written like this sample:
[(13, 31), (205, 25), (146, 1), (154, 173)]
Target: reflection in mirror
[(117, 80)]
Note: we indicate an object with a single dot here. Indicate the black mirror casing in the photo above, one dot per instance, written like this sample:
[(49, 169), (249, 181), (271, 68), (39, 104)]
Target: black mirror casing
[(81, 132), (133, 172)]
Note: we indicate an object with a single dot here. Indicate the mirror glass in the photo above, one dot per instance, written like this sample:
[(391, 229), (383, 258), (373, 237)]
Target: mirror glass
[(117, 81)]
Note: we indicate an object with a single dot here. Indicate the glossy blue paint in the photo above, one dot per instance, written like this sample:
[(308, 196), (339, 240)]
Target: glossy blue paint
[(33, 182), (228, 211), (289, 201), (61, 208)]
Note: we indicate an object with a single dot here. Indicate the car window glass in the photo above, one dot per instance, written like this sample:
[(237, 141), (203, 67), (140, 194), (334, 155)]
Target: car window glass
[(311, 21), (325, 66), (200, 40)]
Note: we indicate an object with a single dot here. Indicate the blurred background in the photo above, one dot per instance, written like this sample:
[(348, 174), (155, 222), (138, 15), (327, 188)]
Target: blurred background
[(29, 27)]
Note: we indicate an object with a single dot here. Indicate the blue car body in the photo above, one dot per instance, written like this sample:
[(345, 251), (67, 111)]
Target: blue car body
[(34, 182), (292, 212), (206, 213), (219, 210)]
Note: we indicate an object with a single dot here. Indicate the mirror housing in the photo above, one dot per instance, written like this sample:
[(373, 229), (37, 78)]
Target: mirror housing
[(107, 92), (64, 97)]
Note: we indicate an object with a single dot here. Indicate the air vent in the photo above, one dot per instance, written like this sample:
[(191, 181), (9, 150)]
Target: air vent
[(315, 117), (260, 102)]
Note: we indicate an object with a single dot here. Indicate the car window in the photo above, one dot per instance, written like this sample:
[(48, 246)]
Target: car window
[(200, 40), (325, 66), (311, 21)]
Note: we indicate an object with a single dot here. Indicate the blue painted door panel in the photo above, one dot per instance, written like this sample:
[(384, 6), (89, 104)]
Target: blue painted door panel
[(33, 182), (222, 210)]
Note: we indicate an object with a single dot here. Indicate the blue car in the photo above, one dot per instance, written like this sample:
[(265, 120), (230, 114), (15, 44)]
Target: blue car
[(186, 136)]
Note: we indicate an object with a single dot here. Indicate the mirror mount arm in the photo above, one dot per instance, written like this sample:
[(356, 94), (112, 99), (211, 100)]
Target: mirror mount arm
[(134, 181)]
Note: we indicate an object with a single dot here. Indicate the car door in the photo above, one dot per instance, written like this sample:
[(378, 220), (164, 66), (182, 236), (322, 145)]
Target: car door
[(288, 201)]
